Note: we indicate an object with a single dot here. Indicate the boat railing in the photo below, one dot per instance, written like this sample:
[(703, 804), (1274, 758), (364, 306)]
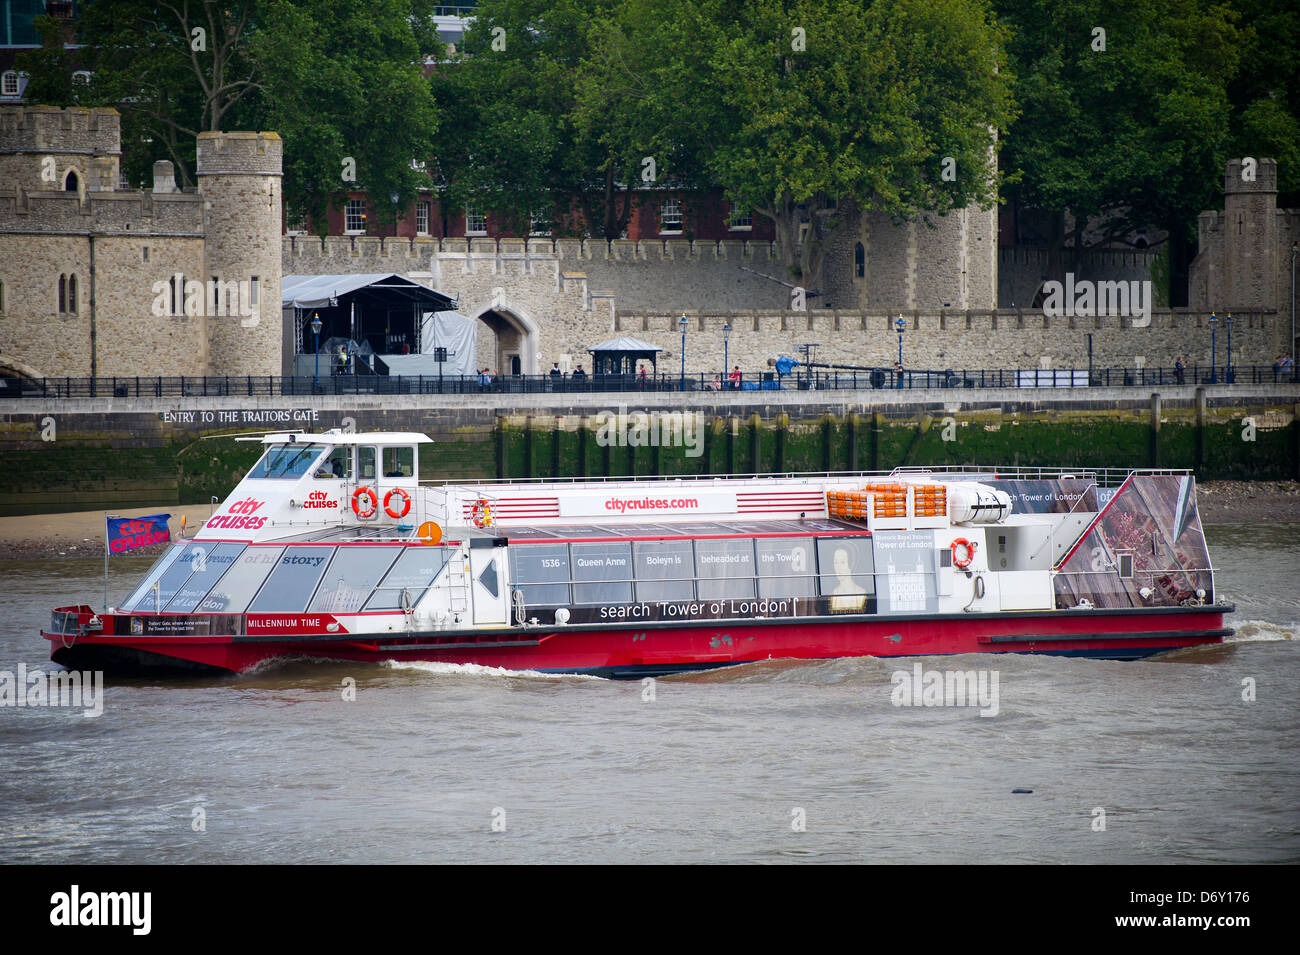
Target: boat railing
[(1104, 477)]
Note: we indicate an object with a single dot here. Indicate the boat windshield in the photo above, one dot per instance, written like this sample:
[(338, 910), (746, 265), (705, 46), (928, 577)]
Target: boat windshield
[(287, 461)]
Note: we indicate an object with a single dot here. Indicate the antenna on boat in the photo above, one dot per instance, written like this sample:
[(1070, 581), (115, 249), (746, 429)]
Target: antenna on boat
[(252, 434)]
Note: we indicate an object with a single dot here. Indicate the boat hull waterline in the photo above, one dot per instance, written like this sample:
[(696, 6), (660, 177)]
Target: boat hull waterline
[(631, 650)]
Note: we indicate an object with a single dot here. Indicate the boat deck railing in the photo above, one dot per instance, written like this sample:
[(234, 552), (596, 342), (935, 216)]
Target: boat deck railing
[(1104, 477)]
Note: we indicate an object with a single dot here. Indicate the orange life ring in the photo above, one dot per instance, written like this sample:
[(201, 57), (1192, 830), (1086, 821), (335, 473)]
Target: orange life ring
[(965, 562), (406, 503), (482, 513), (373, 506)]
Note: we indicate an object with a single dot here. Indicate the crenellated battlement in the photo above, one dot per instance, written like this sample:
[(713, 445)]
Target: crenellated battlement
[(87, 269), (136, 212), (240, 154), (1263, 178), (48, 129), (618, 251)]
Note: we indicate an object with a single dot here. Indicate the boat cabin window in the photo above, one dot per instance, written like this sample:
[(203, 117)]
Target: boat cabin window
[(605, 572), (351, 575), (293, 581), (785, 566), (838, 572), (336, 465), (725, 568), (209, 563), (192, 559), (399, 462), (236, 588), (286, 461), (541, 571), (665, 570), (145, 587), (847, 572), (414, 572), (366, 463)]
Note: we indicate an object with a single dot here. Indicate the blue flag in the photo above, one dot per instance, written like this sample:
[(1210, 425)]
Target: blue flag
[(127, 533)]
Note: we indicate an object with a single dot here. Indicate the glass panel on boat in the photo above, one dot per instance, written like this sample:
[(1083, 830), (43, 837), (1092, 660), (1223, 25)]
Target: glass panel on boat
[(725, 568), (173, 579), (541, 571), (846, 567), (905, 561), (146, 585), (293, 581), (399, 462), (286, 461), (337, 464), (236, 588), (414, 572), (490, 579), (350, 577), (785, 566), (664, 570), (208, 568), (603, 573), (366, 463)]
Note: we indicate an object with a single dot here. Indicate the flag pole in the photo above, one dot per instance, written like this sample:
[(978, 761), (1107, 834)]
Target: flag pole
[(106, 517)]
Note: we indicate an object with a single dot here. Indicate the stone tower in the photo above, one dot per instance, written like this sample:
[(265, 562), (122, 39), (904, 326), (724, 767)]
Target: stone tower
[(239, 177), (1250, 235), (46, 149)]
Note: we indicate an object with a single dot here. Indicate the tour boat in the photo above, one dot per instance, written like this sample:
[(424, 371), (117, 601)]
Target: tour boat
[(332, 548)]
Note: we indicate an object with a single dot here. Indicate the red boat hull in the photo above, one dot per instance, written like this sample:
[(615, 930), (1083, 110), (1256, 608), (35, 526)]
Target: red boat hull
[(629, 650)]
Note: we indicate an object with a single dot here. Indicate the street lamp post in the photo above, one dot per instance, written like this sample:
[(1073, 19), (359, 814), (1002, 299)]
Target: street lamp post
[(726, 359), (901, 325), (683, 324), (1214, 370), (316, 327), (1227, 369)]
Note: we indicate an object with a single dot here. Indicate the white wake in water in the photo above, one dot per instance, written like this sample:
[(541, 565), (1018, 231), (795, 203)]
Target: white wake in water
[(1255, 631), (474, 669)]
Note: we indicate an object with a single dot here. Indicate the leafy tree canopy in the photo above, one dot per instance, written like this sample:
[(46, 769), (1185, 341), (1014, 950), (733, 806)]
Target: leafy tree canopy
[(338, 80)]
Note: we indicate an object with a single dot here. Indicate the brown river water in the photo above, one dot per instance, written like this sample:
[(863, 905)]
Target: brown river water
[(774, 762)]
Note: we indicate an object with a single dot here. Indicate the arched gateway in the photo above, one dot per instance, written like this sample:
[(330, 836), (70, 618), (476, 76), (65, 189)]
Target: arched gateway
[(507, 340)]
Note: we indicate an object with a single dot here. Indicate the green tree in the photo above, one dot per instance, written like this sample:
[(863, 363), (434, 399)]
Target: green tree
[(1265, 91), (1119, 129), (344, 86), (802, 105), (338, 80), (546, 102), (49, 69)]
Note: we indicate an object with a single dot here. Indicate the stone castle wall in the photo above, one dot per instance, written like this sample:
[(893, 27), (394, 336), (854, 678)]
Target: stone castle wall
[(544, 288), (972, 340), (1022, 269), (1244, 257), (120, 245), (911, 265), (85, 140)]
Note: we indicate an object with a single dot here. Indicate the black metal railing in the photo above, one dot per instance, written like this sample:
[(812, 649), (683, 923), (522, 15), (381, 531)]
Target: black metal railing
[(185, 386)]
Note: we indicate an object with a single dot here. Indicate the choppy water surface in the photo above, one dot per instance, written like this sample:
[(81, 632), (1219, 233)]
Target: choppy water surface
[(713, 769)]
